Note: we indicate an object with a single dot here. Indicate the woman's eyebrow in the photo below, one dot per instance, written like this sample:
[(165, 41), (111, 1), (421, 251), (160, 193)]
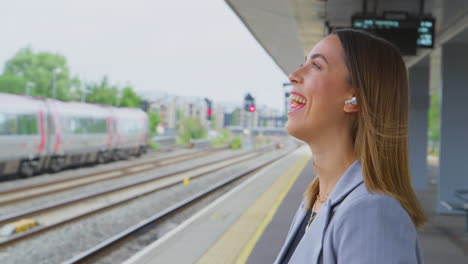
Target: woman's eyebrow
[(318, 55)]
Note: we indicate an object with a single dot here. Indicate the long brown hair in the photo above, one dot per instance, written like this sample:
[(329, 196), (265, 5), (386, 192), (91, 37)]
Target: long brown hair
[(380, 133)]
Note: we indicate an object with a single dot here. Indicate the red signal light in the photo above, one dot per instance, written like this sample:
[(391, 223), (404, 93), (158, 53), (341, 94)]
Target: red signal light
[(209, 112), (252, 108)]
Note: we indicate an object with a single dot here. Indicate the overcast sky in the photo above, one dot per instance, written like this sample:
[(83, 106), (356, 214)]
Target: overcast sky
[(182, 47)]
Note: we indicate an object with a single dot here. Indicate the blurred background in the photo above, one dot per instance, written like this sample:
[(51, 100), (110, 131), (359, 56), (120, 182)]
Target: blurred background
[(111, 108)]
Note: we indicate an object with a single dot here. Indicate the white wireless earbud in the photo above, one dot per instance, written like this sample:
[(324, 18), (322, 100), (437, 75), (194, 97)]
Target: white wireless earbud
[(352, 101)]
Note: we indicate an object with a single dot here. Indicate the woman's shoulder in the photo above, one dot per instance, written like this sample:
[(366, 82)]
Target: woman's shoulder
[(363, 206), (375, 222)]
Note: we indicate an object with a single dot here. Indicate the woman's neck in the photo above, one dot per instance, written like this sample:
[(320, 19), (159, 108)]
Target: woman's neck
[(330, 160)]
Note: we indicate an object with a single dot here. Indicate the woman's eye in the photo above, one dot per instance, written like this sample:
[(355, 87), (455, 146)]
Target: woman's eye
[(315, 66)]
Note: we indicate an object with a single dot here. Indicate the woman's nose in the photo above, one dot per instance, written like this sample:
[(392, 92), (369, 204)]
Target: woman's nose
[(295, 78)]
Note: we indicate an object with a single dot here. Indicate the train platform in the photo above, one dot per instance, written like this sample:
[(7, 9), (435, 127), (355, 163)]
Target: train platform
[(249, 223)]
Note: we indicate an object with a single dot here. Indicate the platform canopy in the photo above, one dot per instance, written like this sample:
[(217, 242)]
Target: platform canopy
[(288, 30)]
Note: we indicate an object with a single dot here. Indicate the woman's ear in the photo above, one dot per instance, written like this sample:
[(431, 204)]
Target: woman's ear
[(351, 105)]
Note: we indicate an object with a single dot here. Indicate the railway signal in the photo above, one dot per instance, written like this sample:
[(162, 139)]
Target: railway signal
[(249, 103), (209, 110)]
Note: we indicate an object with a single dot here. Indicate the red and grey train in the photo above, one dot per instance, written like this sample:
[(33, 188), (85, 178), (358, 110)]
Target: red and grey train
[(39, 134)]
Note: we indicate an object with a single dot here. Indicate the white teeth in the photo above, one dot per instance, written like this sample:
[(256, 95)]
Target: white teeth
[(298, 99)]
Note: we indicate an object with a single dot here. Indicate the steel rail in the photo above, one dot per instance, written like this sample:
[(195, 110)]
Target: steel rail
[(123, 172)]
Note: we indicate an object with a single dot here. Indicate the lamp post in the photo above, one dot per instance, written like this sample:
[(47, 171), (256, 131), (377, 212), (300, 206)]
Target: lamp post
[(287, 90), (55, 72), (28, 87)]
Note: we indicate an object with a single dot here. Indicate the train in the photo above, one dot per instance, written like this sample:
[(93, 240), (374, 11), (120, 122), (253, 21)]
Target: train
[(46, 135)]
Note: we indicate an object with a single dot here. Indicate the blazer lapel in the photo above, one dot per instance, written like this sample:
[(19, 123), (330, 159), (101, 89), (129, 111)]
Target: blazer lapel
[(299, 216), (310, 246)]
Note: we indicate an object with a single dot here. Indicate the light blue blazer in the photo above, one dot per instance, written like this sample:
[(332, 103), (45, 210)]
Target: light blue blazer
[(355, 227)]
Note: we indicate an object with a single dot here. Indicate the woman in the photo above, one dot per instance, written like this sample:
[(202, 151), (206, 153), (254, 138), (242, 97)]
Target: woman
[(349, 103)]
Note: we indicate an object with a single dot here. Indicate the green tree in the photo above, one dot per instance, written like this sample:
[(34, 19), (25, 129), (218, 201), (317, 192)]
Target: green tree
[(129, 98), (102, 93), (191, 129), (39, 69), (12, 84), (154, 120)]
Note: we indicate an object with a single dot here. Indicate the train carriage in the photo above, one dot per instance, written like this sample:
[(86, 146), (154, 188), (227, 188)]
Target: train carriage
[(39, 134), (81, 133), (22, 134), (131, 132)]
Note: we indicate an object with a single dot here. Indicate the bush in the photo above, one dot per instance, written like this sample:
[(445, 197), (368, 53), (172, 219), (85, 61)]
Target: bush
[(236, 143), (222, 140), (154, 120), (191, 129), (153, 145)]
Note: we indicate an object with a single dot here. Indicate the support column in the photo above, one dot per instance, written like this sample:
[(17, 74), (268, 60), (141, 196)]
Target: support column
[(418, 124), (453, 160)]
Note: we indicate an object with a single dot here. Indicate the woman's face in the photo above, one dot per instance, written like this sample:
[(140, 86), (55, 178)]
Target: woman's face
[(320, 89)]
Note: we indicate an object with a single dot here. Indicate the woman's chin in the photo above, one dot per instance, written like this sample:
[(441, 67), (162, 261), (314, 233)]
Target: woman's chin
[(292, 129), (297, 130)]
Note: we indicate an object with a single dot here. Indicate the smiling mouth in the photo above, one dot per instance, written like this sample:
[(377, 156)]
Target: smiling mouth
[(296, 103)]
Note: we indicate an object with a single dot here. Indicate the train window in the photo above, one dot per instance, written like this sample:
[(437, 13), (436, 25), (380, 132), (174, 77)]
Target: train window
[(80, 126), (130, 127), (135, 127), (3, 124), (101, 126), (70, 125), (12, 124), (27, 124), (97, 126), (83, 125)]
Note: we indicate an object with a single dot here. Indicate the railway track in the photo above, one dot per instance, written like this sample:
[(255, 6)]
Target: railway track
[(57, 214), (33, 191), (106, 247)]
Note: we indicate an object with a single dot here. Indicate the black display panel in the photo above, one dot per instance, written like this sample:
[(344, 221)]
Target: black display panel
[(426, 33), (406, 34)]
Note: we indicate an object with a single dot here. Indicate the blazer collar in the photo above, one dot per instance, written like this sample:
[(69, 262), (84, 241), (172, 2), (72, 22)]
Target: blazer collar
[(350, 180)]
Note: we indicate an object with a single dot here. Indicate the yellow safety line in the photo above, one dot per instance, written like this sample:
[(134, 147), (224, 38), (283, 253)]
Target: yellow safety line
[(229, 248), (247, 250)]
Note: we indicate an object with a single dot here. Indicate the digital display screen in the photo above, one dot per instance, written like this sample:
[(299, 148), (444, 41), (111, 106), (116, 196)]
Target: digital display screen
[(406, 34), (426, 33)]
